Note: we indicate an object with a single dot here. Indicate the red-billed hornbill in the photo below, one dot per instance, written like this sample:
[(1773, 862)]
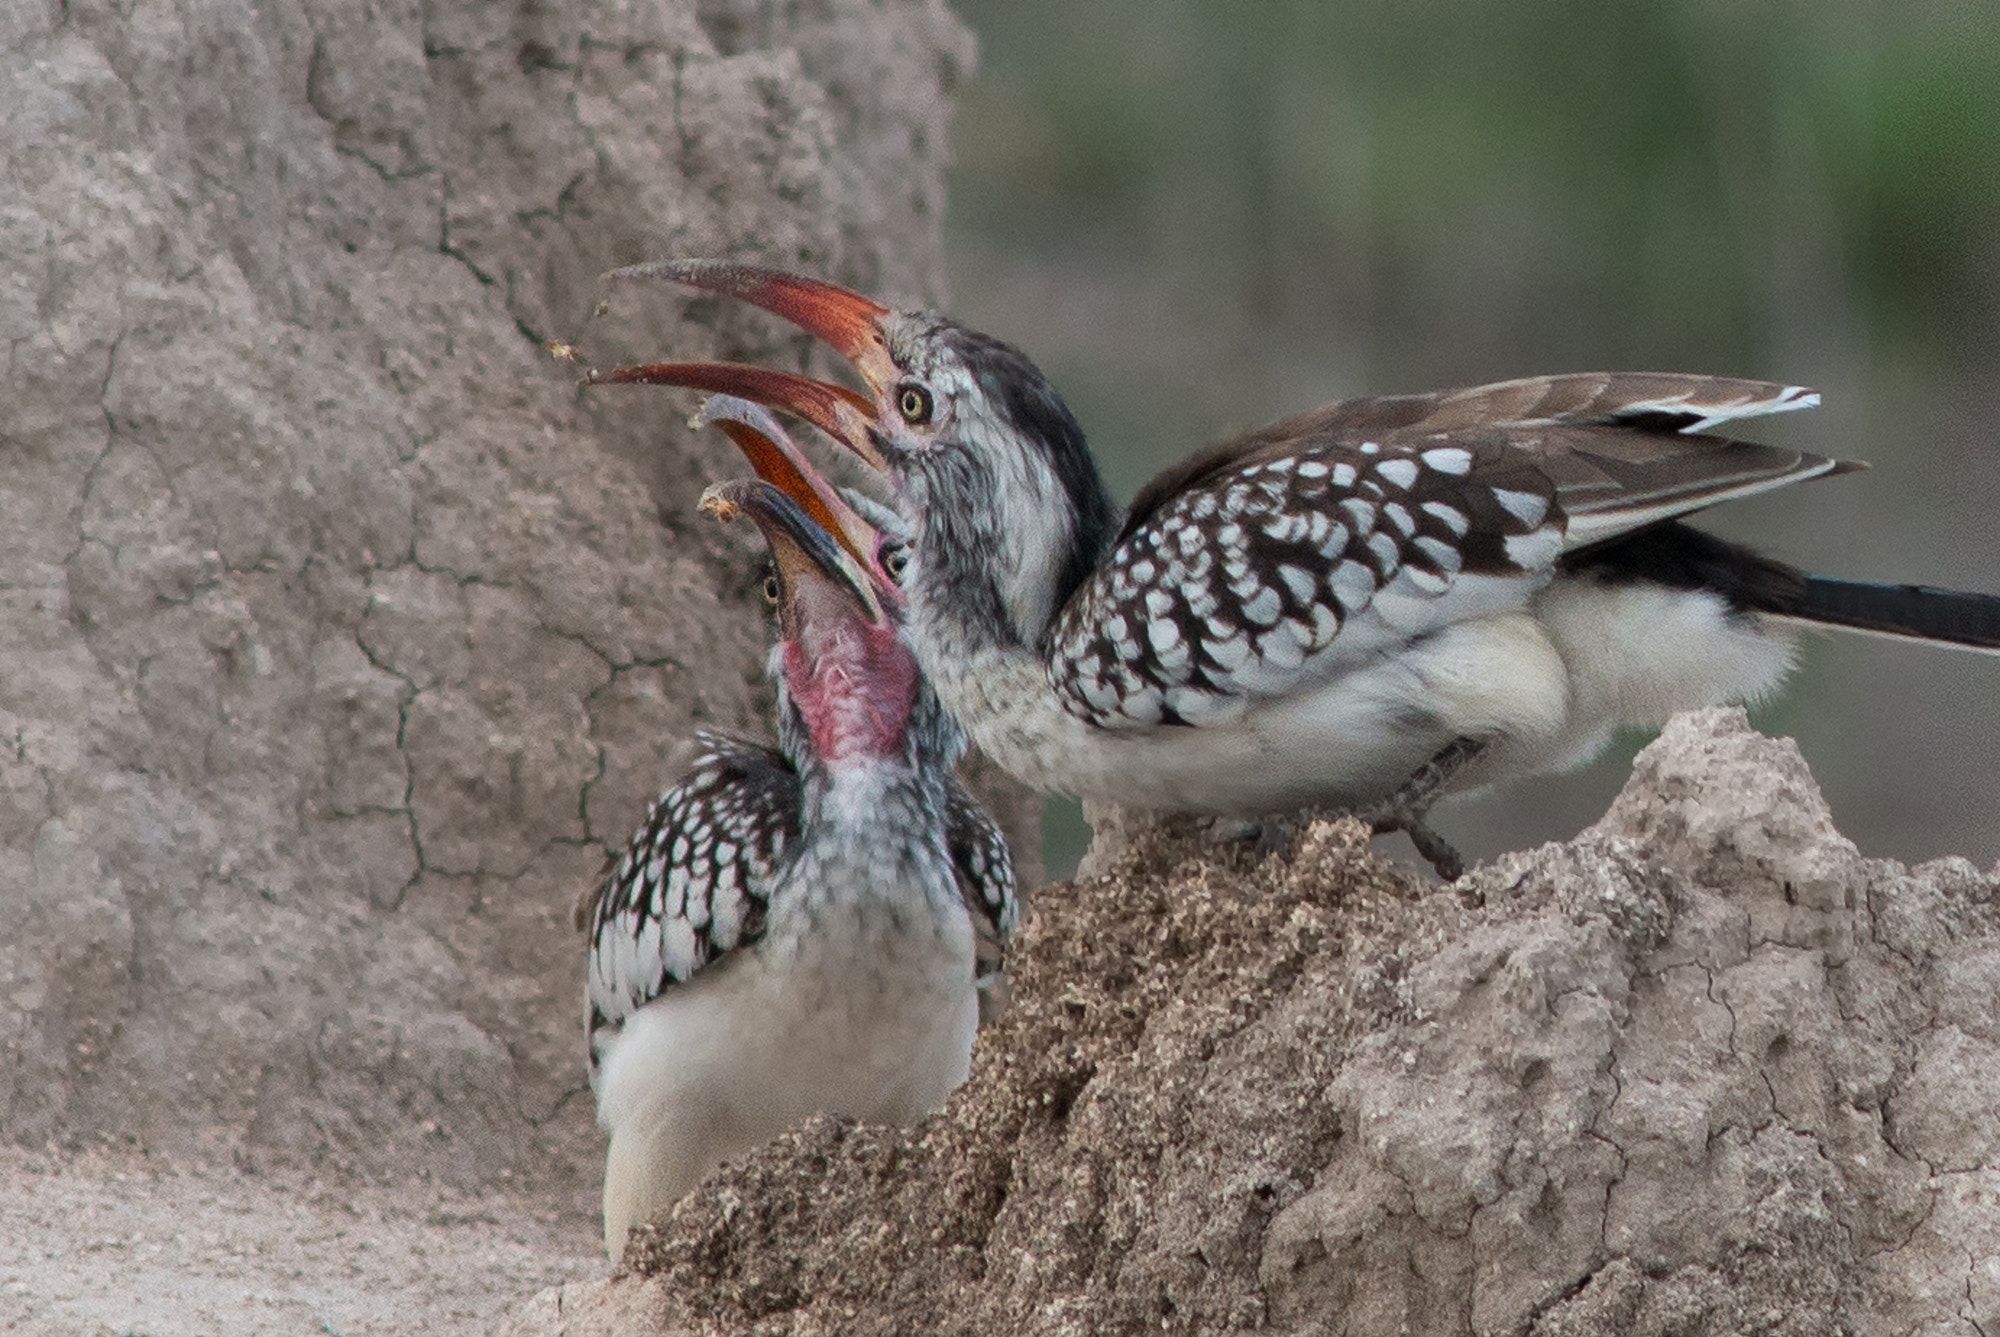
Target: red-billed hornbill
[(808, 928), (1354, 607)]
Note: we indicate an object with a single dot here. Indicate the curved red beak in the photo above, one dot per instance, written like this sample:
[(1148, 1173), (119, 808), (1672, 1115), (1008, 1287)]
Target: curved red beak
[(844, 320), (780, 463), (822, 581), (842, 414), (851, 324)]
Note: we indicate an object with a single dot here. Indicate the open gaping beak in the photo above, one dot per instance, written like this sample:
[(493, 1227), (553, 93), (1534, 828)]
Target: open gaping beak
[(818, 576), (851, 324), (780, 462)]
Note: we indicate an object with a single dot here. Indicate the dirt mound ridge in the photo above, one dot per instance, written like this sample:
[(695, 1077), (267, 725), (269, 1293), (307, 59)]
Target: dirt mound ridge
[(1704, 1069)]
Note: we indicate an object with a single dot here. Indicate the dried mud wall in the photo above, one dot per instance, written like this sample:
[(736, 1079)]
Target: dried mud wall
[(1703, 1070), (339, 634)]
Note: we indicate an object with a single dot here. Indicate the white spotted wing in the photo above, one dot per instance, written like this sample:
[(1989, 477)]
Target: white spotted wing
[(697, 880), (1331, 537), (694, 882)]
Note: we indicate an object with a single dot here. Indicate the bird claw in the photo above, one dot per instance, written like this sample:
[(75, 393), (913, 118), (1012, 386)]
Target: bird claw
[(1435, 849), (1407, 808)]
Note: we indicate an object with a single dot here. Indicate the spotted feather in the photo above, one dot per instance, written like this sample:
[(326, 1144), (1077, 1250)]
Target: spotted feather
[(696, 879), (694, 882), (985, 872), (1328, 538)]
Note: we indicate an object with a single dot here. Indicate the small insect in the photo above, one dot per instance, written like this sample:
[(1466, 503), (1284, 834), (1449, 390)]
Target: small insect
[(561, 351), (719, 505)]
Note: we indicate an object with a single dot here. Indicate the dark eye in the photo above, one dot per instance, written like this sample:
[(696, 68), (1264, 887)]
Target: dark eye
[(895, 560), (771, 590), (914, 403)]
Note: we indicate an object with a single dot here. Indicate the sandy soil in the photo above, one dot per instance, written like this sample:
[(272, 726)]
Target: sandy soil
[(114, 1242)]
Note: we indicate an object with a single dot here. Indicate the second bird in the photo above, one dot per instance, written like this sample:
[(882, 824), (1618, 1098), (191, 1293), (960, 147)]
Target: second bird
[(802, 929)]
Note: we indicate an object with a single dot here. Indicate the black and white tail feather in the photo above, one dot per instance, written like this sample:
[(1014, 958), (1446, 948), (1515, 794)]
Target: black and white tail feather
[(1959, 618)]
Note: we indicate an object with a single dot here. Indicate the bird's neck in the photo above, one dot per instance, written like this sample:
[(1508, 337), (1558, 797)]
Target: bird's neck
[(1000, 694), (873, 846), (1002, 543), (854, 689)]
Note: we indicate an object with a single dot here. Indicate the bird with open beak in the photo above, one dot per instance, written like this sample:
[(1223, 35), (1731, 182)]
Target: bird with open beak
[(809, 928), (1356, 608)]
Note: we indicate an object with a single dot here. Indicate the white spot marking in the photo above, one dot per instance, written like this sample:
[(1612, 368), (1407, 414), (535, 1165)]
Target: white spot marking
[(1399, 472), (1326, 625), (1527, 507), (1427, 583), (1387, 553), (1284, 528), (1449, 516), (1446, 555), (1263, 610), (1354, 584), (1534, 552), (1280, 648), (1229, 653)]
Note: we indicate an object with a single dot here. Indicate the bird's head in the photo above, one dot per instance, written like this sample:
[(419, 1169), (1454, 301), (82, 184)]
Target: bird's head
[(849, 680), (1006, 504), (879, 539)]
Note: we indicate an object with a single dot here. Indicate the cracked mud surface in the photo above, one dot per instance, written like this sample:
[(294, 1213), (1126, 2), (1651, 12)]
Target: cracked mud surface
[(1703, 1070), (341, 632)]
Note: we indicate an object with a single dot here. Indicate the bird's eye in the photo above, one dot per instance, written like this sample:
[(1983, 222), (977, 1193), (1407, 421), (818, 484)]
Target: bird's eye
[(914, 403), (771, 590), (895, 560)]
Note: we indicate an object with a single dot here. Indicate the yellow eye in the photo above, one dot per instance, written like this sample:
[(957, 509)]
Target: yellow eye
[(895, 558), (914, 403), (771, 590)]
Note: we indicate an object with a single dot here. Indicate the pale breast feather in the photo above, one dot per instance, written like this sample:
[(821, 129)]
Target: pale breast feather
[(1243, 583), (694, 882)]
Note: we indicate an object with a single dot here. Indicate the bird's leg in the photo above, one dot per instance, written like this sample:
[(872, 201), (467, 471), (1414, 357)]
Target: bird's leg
[(1406, 809)]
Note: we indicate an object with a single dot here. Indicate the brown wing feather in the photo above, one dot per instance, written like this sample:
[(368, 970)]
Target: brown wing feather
[(1633, 416), (1263, 562)]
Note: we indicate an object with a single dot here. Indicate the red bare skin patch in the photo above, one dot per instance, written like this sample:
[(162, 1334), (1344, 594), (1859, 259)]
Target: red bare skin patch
[(854, 683)]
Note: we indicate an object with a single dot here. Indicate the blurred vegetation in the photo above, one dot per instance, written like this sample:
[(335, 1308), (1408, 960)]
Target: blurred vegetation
[(1198, 215)]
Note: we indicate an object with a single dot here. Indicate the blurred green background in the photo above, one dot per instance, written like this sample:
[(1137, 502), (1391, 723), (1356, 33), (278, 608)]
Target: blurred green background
[(1200, 215)]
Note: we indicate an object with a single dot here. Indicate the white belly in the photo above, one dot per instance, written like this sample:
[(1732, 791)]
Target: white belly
[(1545, 686), (879, 1030)]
